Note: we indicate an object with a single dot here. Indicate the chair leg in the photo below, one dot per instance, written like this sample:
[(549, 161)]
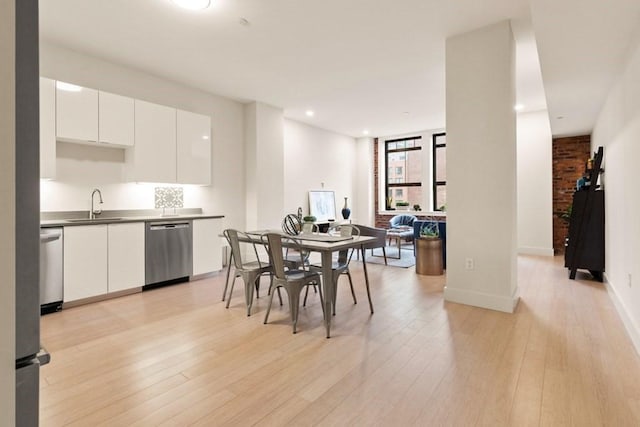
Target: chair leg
[(294, 304), (306, 294), (353, 294), (231, 290), (266, 317), (226, 282), (258, 286), (384, 253), (248, 294)]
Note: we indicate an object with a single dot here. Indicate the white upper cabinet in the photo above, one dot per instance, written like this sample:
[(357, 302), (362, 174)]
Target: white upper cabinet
[(116, 119), (153, 158), (76, 113), (194, 148), (47, 128)]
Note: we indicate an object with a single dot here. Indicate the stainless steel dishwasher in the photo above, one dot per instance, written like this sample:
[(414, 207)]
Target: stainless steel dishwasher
[(51, 253), (168, 252)]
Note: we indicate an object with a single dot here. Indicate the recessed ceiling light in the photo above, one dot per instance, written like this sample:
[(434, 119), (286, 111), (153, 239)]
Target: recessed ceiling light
[(365, 132), (310, 113), (205, 137), (518, 107), (193, 4), (68, 87)]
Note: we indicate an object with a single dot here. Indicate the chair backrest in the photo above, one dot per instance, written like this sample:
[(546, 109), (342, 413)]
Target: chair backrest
[(403, 219), (379, 233), (234, 237), (273, 243)]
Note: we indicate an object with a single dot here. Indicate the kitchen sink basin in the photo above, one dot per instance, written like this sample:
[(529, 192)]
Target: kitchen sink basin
[(94, 220)]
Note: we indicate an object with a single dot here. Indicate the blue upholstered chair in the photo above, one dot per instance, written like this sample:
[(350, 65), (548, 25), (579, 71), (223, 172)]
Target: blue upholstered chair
[(442, 232), (403, 220)]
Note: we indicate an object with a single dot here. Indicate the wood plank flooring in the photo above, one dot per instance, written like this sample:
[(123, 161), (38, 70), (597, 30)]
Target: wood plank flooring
[(175, 356)]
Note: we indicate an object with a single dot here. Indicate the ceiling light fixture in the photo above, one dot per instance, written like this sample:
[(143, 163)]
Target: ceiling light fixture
[(68, 87), (518, 107), (365, 132), (192, 4), (310, 113)]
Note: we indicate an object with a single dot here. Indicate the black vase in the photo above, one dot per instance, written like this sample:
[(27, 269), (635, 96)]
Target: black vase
[(346, 212)]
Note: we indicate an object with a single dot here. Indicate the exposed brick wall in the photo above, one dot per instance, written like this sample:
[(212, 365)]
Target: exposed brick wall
[(570, 155), (382, 220)]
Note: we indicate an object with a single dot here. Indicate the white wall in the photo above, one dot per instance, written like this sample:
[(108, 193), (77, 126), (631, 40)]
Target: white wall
[(618, 131), (81, 168), (481, 168), (7, 213), (535, 188), (314, 156)]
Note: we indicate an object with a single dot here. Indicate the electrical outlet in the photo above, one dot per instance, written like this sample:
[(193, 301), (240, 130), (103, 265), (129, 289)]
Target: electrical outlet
[(629, 280), (468, 263)]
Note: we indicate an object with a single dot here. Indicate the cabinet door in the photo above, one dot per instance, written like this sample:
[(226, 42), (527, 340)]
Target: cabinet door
[(153, 157), (76, 113), (85, 261), (126, 256), (194, 148), (47, 128), (207, 246), (116, 122)]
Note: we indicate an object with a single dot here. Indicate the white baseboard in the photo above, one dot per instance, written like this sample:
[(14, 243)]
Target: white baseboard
[(633, 329), (502, 303), (535, 251)]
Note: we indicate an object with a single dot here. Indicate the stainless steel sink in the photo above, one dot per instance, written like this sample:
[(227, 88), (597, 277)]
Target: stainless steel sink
[(93, 220)]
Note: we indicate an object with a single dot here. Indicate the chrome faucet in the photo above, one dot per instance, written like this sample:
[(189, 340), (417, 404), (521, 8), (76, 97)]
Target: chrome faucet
[(93, 212)]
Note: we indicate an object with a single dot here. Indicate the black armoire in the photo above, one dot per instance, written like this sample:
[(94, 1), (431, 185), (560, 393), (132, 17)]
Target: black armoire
[(585, 245)]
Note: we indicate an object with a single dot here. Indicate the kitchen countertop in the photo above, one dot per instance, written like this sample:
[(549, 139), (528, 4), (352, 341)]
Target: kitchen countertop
[(69, 219)]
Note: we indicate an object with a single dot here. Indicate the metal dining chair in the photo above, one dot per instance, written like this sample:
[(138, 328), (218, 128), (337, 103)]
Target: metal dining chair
[(340, 266), (292, 280), (250, 272)]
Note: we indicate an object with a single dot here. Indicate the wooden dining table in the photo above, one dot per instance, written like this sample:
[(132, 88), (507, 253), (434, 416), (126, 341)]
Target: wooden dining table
[(326, 245)]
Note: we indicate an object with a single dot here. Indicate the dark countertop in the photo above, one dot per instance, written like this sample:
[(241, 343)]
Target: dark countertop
[(110, 218)]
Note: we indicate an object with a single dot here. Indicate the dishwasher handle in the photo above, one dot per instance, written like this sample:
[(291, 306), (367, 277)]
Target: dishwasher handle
[(169, 226)]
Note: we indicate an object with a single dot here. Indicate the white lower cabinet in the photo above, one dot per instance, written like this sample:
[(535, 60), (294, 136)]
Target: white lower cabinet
[(99, 259), (207, 248), (126, 256), (85, 262)]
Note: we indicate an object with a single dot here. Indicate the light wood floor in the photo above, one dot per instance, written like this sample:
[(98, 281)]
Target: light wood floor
[(176, 356)]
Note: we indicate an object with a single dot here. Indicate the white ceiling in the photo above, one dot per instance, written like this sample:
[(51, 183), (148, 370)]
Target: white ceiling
[(582, 44), (359, 64)]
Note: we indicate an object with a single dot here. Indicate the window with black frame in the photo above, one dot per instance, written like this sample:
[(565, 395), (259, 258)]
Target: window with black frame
[(439, 171), (403, 163)]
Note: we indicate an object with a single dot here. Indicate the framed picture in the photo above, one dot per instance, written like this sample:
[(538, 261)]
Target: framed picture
[(322, 205)]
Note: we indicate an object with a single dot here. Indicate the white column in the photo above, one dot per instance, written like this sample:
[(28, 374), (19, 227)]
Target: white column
[(7, 211), (364, 198), (481, 169), (264, 166)]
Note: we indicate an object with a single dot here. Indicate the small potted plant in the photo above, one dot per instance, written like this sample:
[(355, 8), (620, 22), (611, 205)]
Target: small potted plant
[(309, 218), (402, 205), (430, 231), (417, 207)]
